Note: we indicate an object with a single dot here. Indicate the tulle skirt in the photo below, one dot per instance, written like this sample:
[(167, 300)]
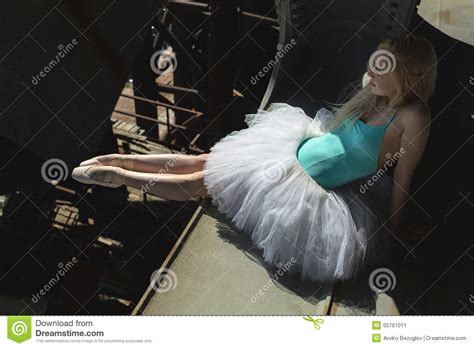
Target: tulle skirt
[(254, 178)]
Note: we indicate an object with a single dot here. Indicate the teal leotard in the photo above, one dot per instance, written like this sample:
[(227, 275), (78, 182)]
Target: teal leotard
[(347, 153)]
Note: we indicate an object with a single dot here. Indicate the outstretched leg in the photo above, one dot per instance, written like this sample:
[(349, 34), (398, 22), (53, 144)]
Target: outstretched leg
[(177, 187), (159, 163)]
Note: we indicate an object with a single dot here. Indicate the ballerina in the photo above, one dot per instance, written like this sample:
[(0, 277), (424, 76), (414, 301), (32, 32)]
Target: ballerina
[(285, 180)]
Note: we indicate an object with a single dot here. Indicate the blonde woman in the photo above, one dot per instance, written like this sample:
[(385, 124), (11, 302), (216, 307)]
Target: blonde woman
[(280, 180)]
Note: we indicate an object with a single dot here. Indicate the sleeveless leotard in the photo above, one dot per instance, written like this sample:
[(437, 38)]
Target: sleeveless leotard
[(347, 153)]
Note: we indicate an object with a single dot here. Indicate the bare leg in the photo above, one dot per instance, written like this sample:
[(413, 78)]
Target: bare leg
[(159, 163), (177, 187)]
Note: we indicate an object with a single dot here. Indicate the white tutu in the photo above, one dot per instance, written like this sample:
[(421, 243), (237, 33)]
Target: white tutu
[(255, 179)]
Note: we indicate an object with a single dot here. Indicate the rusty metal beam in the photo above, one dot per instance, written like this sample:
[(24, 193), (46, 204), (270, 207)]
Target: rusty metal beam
[(187, 6), (144, 82), (203, 9), (178, 45), (128, 113), (170, 106), (223, 25), (259, 19), (174, 89)]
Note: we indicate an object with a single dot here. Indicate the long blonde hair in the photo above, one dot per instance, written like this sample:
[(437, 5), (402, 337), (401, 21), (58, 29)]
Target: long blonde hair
[(414, 63)]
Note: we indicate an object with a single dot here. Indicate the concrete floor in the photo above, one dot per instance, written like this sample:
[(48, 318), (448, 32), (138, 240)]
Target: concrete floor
[(219, 273)]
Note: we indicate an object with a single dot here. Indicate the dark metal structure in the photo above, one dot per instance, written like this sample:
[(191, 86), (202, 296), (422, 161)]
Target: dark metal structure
[(214, 58), (63, 66), (328, 52)]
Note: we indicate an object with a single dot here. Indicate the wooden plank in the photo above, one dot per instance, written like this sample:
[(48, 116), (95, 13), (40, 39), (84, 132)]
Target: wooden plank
[(218, 273)]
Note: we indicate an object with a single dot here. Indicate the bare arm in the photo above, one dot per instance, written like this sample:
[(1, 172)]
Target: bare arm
[(413, 143)]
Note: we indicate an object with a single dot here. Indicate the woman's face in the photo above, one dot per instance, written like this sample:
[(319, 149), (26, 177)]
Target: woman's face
[(381, 76)]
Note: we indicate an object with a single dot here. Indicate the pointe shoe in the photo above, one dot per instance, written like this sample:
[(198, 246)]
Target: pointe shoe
[(90, 162), (80, 174), (113, 160)]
